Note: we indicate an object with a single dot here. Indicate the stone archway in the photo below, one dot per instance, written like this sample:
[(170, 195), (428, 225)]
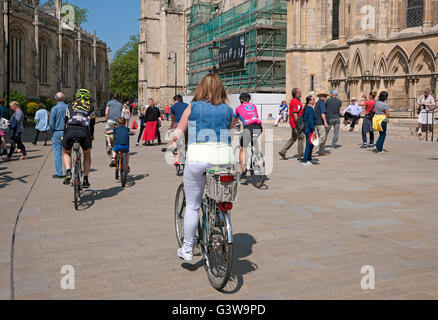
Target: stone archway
[(399, 85)]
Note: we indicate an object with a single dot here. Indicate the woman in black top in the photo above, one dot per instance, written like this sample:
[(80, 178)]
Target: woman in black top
[(152, 116)]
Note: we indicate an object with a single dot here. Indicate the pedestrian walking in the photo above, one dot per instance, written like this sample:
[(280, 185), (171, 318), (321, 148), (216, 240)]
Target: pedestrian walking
[(56, 127), (334, 116), (4, 123), (309, 124), (151, 128), (352, 114), (167, 112), (126, 113), (321, 123), (42, 124), (367, 124), (381, 120), (426, 105), (16, 129), (295, 111)]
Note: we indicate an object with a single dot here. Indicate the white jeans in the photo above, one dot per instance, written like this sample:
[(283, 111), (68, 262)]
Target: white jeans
[(281, 115), (194, 184)]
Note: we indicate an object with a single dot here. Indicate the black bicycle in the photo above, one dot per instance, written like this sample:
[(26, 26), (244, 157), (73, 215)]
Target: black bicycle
[(77, 172), (215, 234)]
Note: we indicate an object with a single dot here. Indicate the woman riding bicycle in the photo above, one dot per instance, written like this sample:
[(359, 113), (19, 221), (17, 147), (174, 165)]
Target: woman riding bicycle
[(208, 121), (252, 126)]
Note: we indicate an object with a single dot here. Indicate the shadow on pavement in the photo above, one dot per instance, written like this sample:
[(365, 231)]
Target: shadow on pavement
[(242, 248), (5, 179), (89, 197)]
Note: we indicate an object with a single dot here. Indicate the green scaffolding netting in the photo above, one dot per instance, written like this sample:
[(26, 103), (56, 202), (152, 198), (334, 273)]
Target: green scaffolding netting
[(264, 24)]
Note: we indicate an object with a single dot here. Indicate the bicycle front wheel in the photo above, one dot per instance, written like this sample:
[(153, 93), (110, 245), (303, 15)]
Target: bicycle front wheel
[(124, 171), (218, 251), (180, 210)]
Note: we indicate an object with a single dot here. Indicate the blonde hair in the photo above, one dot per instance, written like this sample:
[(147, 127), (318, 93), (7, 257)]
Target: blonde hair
[(15, 104), (211, 89), (152, 104)]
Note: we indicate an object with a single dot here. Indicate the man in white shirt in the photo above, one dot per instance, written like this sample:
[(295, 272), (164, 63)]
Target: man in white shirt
[(352, 114)]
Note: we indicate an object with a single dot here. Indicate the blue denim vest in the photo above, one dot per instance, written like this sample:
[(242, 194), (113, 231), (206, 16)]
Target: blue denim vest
[(209, 123)]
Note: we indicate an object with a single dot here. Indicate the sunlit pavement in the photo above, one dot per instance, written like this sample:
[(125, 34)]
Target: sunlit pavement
[(307, 235)]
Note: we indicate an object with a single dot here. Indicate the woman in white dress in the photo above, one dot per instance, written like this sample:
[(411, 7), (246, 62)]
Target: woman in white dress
[(426, 105)]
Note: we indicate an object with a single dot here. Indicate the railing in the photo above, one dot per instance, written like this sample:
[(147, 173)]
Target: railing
[(405, 107)]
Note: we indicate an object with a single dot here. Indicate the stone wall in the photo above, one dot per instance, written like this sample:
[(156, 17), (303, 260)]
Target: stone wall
[(83, 51), (385, 55), (162, 37)]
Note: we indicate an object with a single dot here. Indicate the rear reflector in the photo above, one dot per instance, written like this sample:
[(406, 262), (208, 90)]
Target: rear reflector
[(225, 206), (227, 179)]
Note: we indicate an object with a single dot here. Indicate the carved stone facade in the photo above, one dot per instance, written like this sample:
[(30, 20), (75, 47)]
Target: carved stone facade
[(355, 46), (163, 36), (46, 58)]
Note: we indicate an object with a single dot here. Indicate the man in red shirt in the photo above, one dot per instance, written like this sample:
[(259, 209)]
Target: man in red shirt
[(295, 110)]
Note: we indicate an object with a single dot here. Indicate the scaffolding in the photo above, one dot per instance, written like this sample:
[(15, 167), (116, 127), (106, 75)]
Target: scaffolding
[(264, 24)]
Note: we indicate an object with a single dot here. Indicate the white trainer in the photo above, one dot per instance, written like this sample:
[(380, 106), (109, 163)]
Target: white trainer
[(187, 256)]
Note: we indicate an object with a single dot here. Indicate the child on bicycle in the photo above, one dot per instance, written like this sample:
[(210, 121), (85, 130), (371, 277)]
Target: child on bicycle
[(121, 140), (252, 125)]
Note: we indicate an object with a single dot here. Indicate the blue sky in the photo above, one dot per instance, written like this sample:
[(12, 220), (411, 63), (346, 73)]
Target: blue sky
[(113, 20)]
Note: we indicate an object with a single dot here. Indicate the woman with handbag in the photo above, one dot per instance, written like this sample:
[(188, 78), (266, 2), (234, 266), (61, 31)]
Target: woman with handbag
[(381, 120), (425, 112), (367, 125)]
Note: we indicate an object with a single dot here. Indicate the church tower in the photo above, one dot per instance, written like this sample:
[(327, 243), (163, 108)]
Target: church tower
[(162, 50)]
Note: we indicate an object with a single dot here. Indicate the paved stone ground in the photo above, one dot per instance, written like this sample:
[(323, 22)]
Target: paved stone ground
[(306, 236)]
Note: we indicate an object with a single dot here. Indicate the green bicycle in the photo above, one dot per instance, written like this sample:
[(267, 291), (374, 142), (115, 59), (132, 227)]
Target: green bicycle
[(215, 235)]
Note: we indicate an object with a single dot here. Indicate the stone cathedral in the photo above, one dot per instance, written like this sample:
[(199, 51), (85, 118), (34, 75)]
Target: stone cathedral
[(358, 45)]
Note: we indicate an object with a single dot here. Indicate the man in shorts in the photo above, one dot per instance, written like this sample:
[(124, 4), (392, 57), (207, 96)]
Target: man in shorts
[(80, 120), (112, 113), (252, 126)]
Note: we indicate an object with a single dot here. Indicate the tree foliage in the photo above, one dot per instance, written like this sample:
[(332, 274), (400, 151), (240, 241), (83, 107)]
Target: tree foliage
[(124, 70)]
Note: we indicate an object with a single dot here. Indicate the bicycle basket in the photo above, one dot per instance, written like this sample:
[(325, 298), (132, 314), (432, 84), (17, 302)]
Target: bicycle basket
[(222, 184)]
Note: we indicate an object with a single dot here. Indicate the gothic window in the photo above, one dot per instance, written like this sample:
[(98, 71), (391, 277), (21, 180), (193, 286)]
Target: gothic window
[(415, 11), (65, 66), (17, 55), (335, 20), (44, 60)]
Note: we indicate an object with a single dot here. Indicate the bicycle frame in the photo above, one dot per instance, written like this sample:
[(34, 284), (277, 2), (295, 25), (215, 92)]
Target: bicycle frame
[(204, 223)]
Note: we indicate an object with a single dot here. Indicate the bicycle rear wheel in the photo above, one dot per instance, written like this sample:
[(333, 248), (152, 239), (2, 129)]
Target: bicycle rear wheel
[(258, 173), (217, 251), (179, 213), (124, 171), (76, 182)]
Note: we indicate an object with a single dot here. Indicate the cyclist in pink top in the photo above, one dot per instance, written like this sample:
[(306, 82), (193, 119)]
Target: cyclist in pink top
[(252, 127)]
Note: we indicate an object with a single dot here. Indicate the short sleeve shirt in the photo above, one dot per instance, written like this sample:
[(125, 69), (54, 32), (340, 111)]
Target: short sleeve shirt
[(121, 136), (247, 113), (178, 110), (79, 114), (381, 107), (369, 106), (295, 107), (115, 110), (320, 109)]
